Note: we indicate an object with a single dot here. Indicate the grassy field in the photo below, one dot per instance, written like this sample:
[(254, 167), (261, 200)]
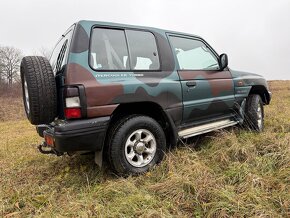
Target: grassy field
[(230, 173)]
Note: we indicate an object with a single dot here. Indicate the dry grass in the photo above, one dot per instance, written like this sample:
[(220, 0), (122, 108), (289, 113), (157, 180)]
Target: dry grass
[(11, 108), (232, 173), (11, 104)]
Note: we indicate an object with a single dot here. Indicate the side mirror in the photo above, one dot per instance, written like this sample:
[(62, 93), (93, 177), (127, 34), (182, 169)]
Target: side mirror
[(223, 61)]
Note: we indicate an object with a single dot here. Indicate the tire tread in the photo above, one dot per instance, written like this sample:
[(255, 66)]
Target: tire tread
[(41, 88)]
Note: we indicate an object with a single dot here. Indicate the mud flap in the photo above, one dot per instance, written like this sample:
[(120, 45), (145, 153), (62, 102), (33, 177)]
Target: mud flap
[(241, 115), (99, 158)]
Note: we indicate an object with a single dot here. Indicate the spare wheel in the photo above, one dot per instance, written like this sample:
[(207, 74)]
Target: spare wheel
[(39, 90)]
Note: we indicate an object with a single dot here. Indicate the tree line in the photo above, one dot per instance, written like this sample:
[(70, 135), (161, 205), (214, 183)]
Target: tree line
[(10, 60)]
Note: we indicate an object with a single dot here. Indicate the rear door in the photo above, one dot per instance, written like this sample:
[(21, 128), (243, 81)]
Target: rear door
[(208, 92)]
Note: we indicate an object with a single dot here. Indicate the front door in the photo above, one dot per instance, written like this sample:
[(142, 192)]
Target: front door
[(208, 92)]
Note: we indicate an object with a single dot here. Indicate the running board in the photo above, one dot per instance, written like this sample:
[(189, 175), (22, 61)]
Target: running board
[(197, 130)]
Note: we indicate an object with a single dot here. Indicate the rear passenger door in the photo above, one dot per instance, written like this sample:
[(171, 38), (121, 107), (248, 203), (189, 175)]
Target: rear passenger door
[(208, 92)]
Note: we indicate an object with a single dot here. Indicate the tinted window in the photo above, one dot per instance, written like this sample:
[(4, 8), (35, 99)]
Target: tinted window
[(60, 52), (109, 50), (143, 50), (193, 54)]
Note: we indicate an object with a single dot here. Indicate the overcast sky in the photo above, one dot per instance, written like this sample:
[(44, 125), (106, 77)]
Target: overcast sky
[(254, 33)]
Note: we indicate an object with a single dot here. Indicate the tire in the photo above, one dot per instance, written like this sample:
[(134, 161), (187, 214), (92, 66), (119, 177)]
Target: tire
[(254, 114), (125, 148), (39, 90)]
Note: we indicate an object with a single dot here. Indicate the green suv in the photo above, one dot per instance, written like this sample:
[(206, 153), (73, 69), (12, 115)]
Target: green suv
[(127, 93)]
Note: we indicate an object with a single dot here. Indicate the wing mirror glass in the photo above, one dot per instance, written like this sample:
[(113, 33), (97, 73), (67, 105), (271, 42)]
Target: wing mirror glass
[(223, 61)]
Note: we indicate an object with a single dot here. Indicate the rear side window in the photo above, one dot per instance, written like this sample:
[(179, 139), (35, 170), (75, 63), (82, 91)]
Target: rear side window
[(143, 50), (109, 50)]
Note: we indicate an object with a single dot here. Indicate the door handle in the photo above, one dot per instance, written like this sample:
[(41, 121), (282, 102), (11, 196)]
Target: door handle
[(191, 83)]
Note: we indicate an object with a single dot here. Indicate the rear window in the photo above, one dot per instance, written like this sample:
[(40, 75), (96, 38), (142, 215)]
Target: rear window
[(109, 50), (60, 52)]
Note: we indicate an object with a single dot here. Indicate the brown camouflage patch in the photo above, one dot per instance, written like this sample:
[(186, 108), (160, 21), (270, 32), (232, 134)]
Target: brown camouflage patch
[(99, 111), (219, 81), (97, 94)]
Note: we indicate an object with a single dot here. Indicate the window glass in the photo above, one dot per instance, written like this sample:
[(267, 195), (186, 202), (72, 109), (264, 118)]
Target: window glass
[(193, 54), (109, 50), (60, 52), (143, 50)]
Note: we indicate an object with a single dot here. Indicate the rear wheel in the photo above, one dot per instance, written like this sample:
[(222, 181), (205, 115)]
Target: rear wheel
[(136, 144), (39, 90), (254, 118)]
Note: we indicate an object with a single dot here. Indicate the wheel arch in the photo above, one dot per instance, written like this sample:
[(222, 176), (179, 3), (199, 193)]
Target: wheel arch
[(262, 91), (150, 109)]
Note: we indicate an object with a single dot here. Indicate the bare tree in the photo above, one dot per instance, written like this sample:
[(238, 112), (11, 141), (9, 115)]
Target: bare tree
[(44, 51), (1, 74), (10, 59)]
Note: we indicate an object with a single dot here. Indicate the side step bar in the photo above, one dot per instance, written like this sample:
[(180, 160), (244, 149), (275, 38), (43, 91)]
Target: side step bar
[(197, 130)]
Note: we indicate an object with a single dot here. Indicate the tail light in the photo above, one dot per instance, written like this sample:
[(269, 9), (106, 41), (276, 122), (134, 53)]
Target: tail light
[(72, 102), (72, 108), (72, 113), (49, 139)]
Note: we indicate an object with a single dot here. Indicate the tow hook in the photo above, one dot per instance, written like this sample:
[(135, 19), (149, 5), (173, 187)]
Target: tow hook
[(44, 149)]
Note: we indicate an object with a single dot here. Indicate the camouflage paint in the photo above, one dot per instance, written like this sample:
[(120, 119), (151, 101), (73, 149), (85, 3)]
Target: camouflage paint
[(244, 81), (215, 93), (104, 93), (212, 96)]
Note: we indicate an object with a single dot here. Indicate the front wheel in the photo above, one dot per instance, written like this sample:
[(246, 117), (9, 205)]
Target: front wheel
[(136, 144), (254, 113)]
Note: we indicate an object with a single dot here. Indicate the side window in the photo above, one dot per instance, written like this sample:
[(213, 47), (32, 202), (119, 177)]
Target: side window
[(109, 50), (193, 54), (143, 50)]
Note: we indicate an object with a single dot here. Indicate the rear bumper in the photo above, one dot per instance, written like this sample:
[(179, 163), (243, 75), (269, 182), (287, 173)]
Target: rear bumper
[(77, 135)]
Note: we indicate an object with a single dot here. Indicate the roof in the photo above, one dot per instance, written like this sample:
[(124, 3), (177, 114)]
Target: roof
[(102, 23)]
